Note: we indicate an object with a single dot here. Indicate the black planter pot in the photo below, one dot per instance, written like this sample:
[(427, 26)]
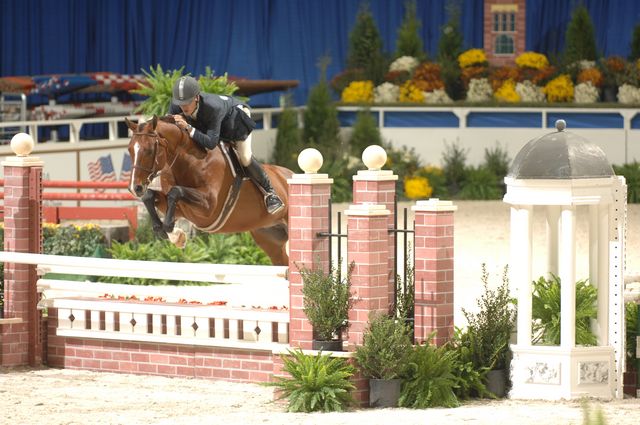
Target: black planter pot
[(630, 383), (610, 94), (333, 345), (497, 382), (384, 392)]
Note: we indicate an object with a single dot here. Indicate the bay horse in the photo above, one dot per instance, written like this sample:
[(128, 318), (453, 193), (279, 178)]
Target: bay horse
[(195, 185)]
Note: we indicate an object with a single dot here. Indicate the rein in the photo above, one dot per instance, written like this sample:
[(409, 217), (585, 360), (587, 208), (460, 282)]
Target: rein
[(153, 173)]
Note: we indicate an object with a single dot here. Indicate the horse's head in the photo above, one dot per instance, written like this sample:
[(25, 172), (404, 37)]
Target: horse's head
[(148, 155)]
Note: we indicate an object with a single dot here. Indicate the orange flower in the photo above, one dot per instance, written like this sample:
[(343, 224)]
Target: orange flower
[(592, 75)]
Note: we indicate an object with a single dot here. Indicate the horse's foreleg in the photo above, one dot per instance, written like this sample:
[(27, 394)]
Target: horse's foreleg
[(149, 201), (180, 193)]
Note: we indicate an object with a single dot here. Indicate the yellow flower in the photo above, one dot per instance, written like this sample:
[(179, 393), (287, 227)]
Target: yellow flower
[(507, 92), (410, 93), (358, 92), (532, 60), (471, 57), (417, 187), (560, 89)]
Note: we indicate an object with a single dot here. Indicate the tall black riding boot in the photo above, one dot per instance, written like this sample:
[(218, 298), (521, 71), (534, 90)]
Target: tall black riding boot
[(261, 180)]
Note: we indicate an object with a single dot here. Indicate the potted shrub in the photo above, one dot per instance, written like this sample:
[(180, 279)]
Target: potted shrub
[(490, 331), (383, 357), (316, 383), (327, 298)]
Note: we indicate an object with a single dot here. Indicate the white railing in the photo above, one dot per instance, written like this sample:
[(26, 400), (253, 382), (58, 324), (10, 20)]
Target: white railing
[(249, 308)]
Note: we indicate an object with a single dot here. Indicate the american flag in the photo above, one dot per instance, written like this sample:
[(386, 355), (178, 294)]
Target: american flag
[(102, 170), (125, 170)]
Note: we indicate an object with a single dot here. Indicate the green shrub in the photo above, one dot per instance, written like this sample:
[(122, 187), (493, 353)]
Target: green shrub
[(76, 241), (454, 160), (469, 379), (386, 346), (409, 42), (365, 133), (580, 40), (430, 381), (317, 383), (635, 44), (631, 173), (489, 329), (546, 311), (632, 331), (327, 298), (288, 143), (405, 300), (480, 183), (365, 46)]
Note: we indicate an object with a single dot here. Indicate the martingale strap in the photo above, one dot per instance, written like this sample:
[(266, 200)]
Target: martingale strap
[(234, 192)]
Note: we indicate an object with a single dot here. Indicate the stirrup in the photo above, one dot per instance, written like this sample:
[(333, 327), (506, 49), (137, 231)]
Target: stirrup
[(273, 203)]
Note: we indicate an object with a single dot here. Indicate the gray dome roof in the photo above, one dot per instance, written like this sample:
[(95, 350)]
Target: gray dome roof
[(560, 155)]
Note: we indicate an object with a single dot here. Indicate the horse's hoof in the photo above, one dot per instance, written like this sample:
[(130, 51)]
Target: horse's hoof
[(178, 237)]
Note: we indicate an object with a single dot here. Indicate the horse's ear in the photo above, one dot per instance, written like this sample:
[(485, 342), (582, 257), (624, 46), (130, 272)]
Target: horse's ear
[(132, 126), (154, 122)]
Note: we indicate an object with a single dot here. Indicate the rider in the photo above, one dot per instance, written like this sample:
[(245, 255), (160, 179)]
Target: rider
[(210, 118)]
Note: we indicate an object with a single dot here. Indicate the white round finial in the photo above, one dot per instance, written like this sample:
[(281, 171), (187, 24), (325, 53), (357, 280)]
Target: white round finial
[(374, 157), (310, 160), (561, 125), (22, 144)]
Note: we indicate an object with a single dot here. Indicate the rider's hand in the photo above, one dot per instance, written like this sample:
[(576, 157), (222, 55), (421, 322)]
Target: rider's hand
[(180, 122)]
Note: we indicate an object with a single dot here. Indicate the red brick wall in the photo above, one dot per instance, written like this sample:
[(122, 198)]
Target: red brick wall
[(490, 36), (178, 360)]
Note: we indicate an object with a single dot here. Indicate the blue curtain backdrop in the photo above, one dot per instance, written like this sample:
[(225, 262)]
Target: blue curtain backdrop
[(258, 39)]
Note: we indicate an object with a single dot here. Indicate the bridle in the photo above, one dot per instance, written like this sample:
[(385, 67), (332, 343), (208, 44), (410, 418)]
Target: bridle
[(153, 172)]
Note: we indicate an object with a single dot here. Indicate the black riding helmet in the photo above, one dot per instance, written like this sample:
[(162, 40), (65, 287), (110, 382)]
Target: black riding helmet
[(185, 89)]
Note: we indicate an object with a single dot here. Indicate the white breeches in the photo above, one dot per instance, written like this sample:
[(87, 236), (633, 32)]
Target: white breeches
[(243, 147)]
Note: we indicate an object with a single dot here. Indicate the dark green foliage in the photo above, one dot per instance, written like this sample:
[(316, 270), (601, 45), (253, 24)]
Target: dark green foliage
[(144, 232), (317, 383), (497, 160), (409, 42), (327, 298), (404, 162), (481, 183), (450, 44), (77, 241), (632, 331), (321, 124), (430, 381), (580, 39), (405, 303), (365, 133), (489, 329), (386, 346), (631, 173), (206, 248), (454, 160), (546, 311), (365, 46), (635, 44), (470, 379), (288, 140)]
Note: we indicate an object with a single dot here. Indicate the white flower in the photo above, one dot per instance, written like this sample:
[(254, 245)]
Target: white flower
[(529, 92), (436, 96), (629, 94), (583, 64), (585, 93), (479, 90), (404, 63), (386, 93)]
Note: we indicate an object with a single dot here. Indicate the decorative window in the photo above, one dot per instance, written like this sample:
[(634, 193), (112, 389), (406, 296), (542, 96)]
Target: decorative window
[(504, 45)]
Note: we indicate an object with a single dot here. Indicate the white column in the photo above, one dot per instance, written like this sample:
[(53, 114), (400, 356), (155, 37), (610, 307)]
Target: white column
[(553, 218), (520, 269), (567, 277), (602, 277)]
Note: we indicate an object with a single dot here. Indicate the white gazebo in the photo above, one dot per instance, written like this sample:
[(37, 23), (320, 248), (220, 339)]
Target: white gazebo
[(558, 174)]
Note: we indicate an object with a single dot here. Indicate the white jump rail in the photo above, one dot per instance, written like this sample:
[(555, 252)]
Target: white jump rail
[(255, 314)]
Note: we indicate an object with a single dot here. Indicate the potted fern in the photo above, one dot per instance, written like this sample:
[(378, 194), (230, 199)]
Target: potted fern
[(327, 298), (316, 383), (159, 84), (383, 358)]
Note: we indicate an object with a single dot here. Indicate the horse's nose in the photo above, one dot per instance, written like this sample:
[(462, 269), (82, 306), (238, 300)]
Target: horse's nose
[(139, 190)]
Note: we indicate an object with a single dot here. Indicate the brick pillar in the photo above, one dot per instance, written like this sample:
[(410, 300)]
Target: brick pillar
[(434, 270), (378, 187), (308, 214), (20, 334), (368, 248)]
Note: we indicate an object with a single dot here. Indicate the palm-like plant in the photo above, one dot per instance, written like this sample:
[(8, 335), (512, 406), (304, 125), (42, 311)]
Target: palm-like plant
[(317, 383), (546, 311)]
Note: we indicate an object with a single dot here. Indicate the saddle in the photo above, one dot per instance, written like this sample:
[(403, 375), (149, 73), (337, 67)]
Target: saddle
[(239, 175)]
